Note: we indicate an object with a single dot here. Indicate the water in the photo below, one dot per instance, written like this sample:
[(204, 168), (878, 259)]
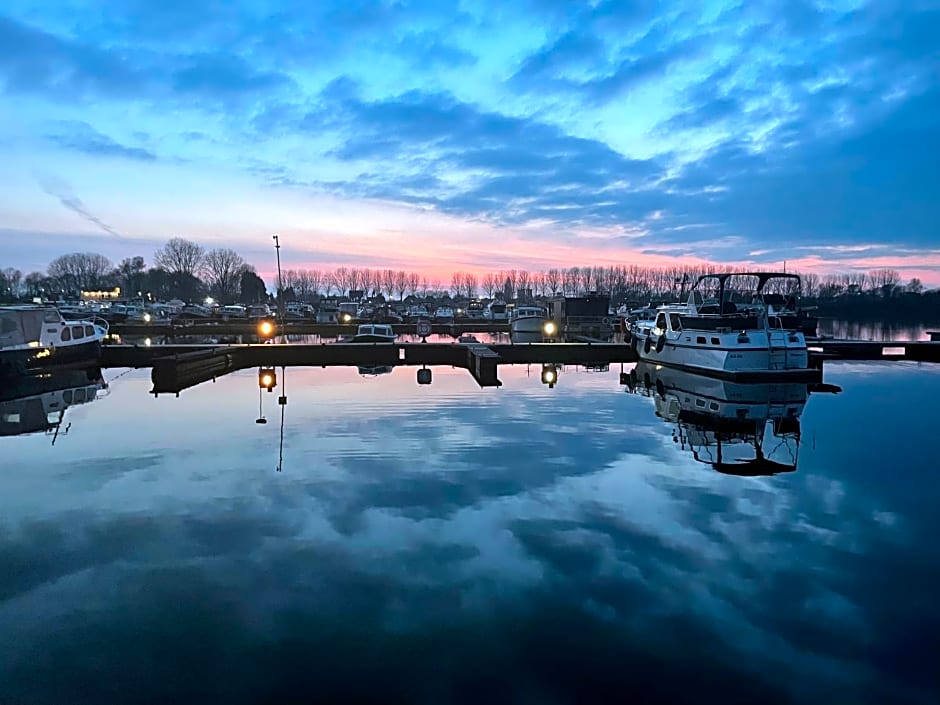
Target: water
[(880, 331), (447, 544)]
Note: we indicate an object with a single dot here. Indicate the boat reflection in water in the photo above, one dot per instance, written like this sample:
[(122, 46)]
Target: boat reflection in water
[(37, 403), (374, 370), (747, 429)]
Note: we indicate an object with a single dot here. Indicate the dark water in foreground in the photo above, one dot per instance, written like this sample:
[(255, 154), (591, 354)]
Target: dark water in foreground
[(448, 544)]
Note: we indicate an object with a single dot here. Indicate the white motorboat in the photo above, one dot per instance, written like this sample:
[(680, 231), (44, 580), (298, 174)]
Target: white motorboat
[(527, 320), (727, 327), (373, 333), (496, 311), (37, 404), (444, 314), (35, 337)]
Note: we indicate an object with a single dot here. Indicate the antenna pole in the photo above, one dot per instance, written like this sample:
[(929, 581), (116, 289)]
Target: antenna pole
[(280, 286)]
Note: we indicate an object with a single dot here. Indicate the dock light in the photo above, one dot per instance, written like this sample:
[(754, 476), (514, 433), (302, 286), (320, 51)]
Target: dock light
[(209, 301), (549, 328), (424, 376), (267, 378), (147, 318), (265, 329), (346, 318), (549, 375)]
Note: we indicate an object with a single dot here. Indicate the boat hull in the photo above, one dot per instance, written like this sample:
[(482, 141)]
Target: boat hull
[(370, 339), (23, 360), (772, 353), (531, 324)]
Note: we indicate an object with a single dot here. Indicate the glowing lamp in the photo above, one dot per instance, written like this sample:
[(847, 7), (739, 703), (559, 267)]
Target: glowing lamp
[(549, 328), (267, 378), (549, 375), (265, 329)]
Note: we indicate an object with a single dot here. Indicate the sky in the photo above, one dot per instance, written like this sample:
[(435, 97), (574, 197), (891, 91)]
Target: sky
[(438, 135)]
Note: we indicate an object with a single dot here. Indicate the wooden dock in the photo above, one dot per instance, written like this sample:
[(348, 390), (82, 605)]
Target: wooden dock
[(250, 329), (178, 367)]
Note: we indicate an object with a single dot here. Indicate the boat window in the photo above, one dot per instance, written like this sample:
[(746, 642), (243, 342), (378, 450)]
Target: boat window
[(79, 396), (661, 321), (699, 402), (674, 321), (701, 340), (89, 331), (67, 396), (78, 332), (51, 317), (66, 333), (716, 341)]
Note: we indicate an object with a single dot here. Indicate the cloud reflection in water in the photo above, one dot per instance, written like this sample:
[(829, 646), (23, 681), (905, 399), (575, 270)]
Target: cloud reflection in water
[(457, 545)]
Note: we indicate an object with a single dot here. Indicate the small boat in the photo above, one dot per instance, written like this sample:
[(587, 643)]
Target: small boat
[(194, 312), (496, 311), (256, 312), (37, 404), (233, 312), (373, 333), (36, 337), (527, 319), (467, 339), (732, 324), (444, 314)]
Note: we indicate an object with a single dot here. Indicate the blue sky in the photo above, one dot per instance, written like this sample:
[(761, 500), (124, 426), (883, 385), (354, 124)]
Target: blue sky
[(439, 135)]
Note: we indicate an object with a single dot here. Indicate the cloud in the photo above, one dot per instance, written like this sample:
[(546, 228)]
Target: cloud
[(81, 137), (60, 190)]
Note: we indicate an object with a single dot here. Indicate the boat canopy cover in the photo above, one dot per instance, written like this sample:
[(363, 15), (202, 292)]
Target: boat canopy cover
[(20, 326)]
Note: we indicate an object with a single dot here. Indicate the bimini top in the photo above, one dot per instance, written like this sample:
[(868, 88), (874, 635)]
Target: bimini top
[(762, 277)]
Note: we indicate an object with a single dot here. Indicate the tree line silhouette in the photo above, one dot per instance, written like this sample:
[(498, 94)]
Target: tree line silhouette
[(185, 270)]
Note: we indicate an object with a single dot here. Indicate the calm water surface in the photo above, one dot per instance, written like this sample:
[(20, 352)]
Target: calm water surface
[(448, 544)]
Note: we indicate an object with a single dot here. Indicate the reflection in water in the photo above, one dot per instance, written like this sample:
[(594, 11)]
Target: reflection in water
[(879, 331), (37, 403), (739, 429), (448, 544)]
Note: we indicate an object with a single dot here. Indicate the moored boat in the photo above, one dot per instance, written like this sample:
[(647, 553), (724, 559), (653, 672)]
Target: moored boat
[(372, 333), (37, 337), (732, 324), (527, 319)]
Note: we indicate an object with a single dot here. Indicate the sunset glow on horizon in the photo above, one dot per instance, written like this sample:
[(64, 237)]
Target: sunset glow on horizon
[(440, 136)]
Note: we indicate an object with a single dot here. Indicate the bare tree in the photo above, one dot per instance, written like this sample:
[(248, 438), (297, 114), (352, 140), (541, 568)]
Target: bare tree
[(456, 283), (11, 281), (401, 284), (79, 271), (180, 256), (425, 286), (222, 269), (414, 283), (490, 284), (522, 282), (553, 281), (316, 281), (388, 282), (470, 284)]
